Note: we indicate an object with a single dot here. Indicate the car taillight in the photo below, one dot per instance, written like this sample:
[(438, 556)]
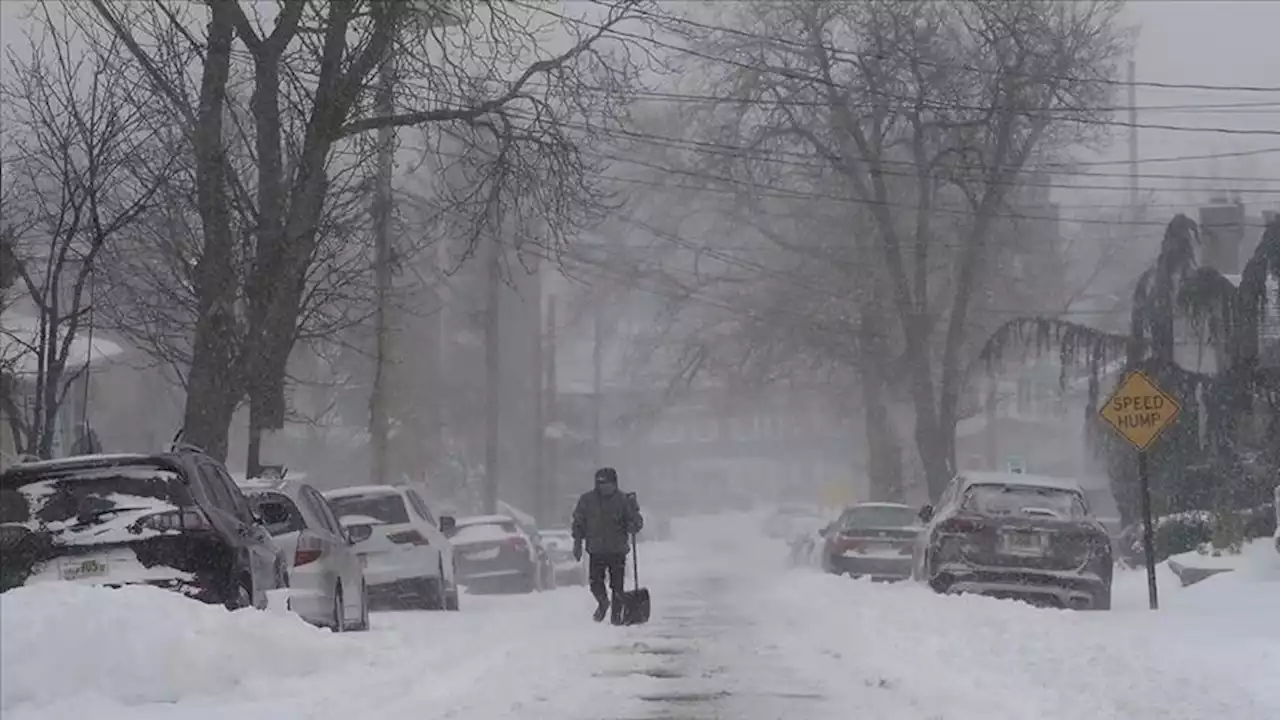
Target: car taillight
[(177, 520), (405, 537), (308, 550), (961, 526)]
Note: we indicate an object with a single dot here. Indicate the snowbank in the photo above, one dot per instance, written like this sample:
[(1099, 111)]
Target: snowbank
[(897, 647), (141, 645)]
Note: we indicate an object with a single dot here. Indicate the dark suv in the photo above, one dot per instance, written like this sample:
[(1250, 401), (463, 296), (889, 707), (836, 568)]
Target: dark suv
[(1016, 536), (174, 520)]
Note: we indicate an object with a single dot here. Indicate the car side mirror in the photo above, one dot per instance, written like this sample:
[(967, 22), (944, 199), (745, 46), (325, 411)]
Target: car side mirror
[(926, 513), (358, 533), (448, 524)]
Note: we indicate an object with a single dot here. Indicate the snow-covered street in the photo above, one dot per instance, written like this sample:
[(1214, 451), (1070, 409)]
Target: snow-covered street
[(734, 635)]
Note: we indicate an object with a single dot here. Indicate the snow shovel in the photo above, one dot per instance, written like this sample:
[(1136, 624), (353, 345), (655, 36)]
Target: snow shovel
[(635, 603)]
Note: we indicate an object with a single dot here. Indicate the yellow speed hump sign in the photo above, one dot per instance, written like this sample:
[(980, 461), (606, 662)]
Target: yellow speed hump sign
[(1139, 410)]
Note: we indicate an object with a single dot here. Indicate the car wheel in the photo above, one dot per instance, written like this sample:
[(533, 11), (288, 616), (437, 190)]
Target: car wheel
[(529, 582), (240, 596), (363, 623), (339, 610), (432, 596), (434, 591)]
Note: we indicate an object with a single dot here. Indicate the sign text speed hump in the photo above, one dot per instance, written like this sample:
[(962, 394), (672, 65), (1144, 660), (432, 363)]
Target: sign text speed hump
[(1139, 410)]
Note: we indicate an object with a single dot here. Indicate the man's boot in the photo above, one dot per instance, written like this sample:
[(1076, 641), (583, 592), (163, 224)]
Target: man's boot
[(616, 615), (602, 608)]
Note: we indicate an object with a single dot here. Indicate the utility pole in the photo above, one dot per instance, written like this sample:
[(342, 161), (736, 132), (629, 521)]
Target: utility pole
[(597, 364), (492, 375), (378, 415), (549, 491), (1133, 139), (539, 412)]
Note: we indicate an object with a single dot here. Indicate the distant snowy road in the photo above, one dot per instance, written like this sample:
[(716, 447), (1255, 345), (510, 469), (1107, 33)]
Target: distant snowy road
[(734, 635)]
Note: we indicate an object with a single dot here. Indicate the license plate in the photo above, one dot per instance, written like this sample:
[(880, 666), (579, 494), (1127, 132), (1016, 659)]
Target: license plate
[(1029, 544), (80, 569), (482, 555)]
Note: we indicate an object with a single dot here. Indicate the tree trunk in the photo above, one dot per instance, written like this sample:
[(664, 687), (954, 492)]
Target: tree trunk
[(213, 382), (492, 376), (884, 453)]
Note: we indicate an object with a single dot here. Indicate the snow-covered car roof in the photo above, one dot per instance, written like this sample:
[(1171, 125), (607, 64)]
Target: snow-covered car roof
[(971, 478), (261, 485), (76, 461), (484, 520), (363, 490)]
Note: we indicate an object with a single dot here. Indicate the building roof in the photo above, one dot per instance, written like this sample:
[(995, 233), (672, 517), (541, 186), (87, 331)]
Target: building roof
[(19, 333)]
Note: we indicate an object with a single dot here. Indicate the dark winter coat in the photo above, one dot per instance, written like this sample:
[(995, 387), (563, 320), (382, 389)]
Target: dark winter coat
[(606, 523)]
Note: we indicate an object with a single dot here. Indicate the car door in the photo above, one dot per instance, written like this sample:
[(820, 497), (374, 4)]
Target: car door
[(430, 529), (338, 553), (253, 538), (943, 510)]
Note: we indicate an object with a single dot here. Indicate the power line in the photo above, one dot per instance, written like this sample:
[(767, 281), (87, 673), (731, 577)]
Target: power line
[(746, 153), (813, 162), (764, 190), (863, 55)]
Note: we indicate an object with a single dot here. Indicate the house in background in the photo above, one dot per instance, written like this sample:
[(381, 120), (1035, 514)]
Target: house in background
[(87, 359), (111, 389)]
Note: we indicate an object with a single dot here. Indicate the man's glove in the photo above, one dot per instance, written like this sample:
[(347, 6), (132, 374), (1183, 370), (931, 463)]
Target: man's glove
[(577, 551)]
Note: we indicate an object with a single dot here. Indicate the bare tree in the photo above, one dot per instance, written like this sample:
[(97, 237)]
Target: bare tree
[(469, 68), (927, 114), (80, 167)]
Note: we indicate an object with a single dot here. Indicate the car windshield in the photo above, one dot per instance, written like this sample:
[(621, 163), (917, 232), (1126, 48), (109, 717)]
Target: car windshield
[(481, 532), (878, 516), (60, 498), (1023, 500), (387, 507)]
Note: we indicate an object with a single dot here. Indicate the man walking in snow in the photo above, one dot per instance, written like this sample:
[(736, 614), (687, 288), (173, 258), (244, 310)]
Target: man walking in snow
[(605, 519)]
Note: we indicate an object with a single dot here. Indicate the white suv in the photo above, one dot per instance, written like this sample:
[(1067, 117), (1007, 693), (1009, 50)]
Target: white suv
[(408, 559)]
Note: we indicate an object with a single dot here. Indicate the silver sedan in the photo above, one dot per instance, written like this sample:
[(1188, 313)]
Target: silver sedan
[(326, 576)]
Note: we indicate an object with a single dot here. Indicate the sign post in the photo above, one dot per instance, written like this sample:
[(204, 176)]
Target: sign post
[(1139, 410)]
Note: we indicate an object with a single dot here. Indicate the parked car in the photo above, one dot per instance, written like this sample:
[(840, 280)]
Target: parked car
[(873, 539), (790, 520), (173, 520), (559, 545), (326, 575), (1017, 536), (409, 561), (495, 553)]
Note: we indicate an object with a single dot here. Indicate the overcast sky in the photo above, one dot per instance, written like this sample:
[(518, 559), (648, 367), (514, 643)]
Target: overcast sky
[(1212, 43)]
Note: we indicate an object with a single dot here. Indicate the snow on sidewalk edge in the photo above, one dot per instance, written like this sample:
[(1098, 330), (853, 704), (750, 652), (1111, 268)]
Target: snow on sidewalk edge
[(138, 645)]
